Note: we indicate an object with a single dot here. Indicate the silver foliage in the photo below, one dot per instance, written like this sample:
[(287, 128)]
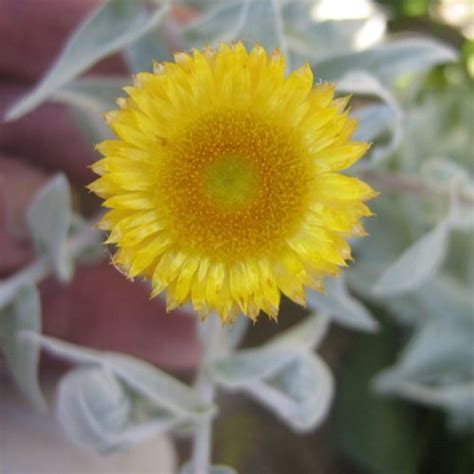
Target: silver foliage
[(111, 27), (23, 314), (408, 265), (49, 221)]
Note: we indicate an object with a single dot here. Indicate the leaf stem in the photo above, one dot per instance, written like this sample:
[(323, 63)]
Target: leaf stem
[(31, 274), (41, 267), (404, 183), (202, 443), (431, 396)]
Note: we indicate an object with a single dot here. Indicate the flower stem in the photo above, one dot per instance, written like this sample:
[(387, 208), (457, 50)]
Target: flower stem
[(31, 274), (41, 267), (409, 184), (202, 448), (202, 443)]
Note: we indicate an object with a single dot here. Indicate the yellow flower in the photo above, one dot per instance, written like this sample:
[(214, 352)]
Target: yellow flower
[(223, 181)]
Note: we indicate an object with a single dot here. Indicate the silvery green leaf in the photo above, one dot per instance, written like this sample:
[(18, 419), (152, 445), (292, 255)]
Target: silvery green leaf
[(249, 365), (140, 432), (446, 137), (443, 172), (319, 40), (246, 365), (306, 335), (447, 175), (449, 300), (283, 374), (264, 25), (311, 37), (154, 46), (388, 234), (95, 411), (91, 125), (342, 306), (374, 120), (435, 352), (364, 83), (92, 407), (63, 350), (216, 469), (97, 93), (236, 332), (291, 381), (254, 21), (49, 220), (461, 214), (388, 237), (112, 26), (24, 313), (440, 351), (299, 394), (370, 14), (158, 387), (388, 61), (27, 276), (88, 99), (459, 401), (94, 250), (406, 308), (417, 264), (361, 277), (222, 22)]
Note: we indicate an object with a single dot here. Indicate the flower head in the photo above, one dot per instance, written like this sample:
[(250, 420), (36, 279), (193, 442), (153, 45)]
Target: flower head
[(223, 182)]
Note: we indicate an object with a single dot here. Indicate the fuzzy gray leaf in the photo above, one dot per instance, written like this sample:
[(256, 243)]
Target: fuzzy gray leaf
[(342, 306), (390, 60), (300, 394), (112, 26), (254, 21), (49, 220), (417, 264), (158, 387), (92, 407), (24, 313)]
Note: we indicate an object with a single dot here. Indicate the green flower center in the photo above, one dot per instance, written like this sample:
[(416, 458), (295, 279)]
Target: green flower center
[(230, 182)]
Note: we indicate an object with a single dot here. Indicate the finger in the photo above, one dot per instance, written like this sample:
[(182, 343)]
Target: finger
[(32, 33), (103, 310), (48, 137), (19, 182)]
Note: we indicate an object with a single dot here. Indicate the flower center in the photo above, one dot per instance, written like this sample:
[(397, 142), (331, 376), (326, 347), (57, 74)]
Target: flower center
[(233, 185), (229, 182)]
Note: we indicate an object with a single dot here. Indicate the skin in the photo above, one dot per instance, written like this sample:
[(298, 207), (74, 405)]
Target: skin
[(100, 308)]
